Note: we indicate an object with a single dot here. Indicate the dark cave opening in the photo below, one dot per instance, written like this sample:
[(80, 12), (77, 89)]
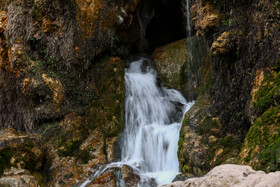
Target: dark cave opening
[(167, 24)]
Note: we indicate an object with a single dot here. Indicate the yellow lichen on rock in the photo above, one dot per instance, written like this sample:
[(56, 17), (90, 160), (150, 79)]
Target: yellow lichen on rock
[(205, 16), (225, 43), (26, 85), (20, 155), (4, 58), (259, 77), (57, 88), (48, 26), (257, 83), (3, 21)]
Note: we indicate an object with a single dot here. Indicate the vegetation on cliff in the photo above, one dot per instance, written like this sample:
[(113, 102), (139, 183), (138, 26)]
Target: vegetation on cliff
[(62, 76)]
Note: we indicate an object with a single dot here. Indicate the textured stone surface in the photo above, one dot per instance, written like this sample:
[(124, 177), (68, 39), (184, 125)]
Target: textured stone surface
[(20, 150), (116, 176), (81, 143), (169, 59), (232, 176), (20, 155), (205, 16), (18, 177), (201, 146), (226, 42), (180, 65), (48, 51)]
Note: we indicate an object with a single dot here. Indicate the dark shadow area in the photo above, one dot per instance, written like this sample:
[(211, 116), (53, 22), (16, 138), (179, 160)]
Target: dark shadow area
[(166, 25)]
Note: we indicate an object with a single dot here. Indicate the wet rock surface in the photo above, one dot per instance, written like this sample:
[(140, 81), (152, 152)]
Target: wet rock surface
[(180, 64), (169, 60), (183, 177), (116, 176)]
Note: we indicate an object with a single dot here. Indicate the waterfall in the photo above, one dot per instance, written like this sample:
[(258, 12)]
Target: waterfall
[(153, 117), (151, 135), (188, 18)]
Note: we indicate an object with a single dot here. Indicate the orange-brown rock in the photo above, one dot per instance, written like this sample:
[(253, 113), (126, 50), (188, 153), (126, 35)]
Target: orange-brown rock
[(3, 21), (57, 89), (205, 16), (106, 180), (226, 42), (113, 177), (259, 77)]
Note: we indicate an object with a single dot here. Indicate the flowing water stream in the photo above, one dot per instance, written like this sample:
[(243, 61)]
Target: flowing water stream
[(153, 116), (152, 124)]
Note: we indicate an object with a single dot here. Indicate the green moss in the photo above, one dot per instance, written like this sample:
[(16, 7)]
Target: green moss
[(180, 144), (118, 48), (106, 111), (228, 141), (37, 13), (230, 147), (70, 149), (207, 124), (182, 137), (268, 94), (85, 156), (22, 154), (264, 135), (31, 159), (5, 159)]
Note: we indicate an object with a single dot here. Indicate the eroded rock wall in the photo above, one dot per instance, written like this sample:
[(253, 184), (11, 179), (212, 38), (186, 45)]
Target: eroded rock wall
[(242, 92)]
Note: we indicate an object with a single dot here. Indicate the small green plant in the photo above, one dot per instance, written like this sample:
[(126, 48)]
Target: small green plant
[(227, 22)]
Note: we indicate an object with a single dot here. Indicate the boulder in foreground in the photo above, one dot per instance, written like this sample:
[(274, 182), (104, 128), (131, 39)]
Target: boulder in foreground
[(234, 176)]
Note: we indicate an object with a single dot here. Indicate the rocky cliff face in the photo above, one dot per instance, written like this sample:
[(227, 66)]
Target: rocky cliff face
[(243, 39), (61, 77), (54, 82), (47, 56)]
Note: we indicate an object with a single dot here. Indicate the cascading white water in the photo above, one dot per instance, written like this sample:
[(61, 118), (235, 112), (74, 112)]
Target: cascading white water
[(188, 18), (152, 126), (150, 137)]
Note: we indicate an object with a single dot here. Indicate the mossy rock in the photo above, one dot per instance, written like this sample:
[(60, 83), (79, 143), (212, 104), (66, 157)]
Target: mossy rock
[(180, 65), (107, 112), (261, 148), (20, 150), (198, 125), (67, 136), (269, 93), (201, 146), (169, 60), (5, 159)]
